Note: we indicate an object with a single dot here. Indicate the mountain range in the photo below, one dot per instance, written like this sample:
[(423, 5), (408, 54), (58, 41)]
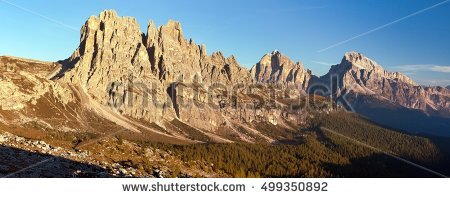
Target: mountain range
[(134, 104), (119, 74)]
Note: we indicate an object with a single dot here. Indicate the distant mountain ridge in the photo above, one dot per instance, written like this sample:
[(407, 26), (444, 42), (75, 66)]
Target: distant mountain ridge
[(359, 74), (388, 98)]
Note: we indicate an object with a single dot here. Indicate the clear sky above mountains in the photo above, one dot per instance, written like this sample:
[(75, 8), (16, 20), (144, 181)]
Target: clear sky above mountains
[(402, 35)]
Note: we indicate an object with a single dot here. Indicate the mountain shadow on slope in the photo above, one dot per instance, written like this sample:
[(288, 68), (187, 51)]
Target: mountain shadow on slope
[(18, 163), (395, 116)]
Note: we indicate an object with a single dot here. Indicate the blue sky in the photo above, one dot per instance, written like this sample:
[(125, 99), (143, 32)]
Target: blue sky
[(304, 30)]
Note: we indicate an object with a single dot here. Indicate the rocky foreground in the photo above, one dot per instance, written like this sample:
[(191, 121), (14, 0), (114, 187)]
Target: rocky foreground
[(22, 157)]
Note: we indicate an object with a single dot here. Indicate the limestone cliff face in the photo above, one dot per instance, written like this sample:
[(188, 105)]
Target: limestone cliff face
[(154, 77), (359, 74), (112, 62), (174, 58), (217, 68), (276, 68)]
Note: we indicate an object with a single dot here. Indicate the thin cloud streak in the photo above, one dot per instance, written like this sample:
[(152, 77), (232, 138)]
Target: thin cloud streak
[(42, 16), (445, 69), (423, 67), (383, 26), (323, 63)]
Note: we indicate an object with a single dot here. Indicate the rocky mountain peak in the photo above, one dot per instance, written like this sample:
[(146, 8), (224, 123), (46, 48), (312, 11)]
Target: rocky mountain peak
[(114, 55), (174, 58), (173, 24), (359, 74), (172, 30), (107, 14), (274, 52), (108, 42), (151, 33), (277, 68), (232, 58), (355, 60), (203, 51), (217, 55), (277, 58)]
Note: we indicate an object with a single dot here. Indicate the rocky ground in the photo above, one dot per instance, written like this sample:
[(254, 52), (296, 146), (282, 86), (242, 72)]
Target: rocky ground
[(109, 157)]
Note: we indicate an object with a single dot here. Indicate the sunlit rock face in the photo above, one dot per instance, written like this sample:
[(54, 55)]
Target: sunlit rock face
[(276, 68), (359, 74), (155, 76)]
